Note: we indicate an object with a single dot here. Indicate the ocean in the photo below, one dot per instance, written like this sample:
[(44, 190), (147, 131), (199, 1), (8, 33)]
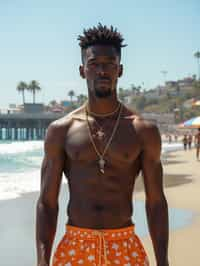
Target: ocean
[(20, 163)]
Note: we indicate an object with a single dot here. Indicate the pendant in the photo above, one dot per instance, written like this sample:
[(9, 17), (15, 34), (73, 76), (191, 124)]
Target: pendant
[(100, 134), (101, 165)]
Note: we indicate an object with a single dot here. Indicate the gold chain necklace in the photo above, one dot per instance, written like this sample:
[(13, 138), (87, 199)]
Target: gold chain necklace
[(103, 115), (100, 134), (101, 160)]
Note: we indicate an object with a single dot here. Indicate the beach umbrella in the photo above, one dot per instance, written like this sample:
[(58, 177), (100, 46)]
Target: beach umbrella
[(191, 123)]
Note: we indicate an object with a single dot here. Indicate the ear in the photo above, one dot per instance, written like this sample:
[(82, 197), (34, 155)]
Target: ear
[(120, 71), (81, 71)]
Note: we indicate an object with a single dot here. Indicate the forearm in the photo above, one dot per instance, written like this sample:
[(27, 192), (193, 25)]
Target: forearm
[(157, 216), (46, 223)]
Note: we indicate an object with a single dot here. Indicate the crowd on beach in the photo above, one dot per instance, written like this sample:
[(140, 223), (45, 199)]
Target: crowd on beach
[(189, 139)]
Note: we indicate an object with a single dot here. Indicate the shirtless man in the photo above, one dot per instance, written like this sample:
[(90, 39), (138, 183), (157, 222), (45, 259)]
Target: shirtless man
[(101, 148), (197, 143)]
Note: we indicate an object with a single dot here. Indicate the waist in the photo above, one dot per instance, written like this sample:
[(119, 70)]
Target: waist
[(109, 234)]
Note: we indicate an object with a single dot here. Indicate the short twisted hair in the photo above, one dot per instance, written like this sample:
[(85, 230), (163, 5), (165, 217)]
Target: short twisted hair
[(101, 35)]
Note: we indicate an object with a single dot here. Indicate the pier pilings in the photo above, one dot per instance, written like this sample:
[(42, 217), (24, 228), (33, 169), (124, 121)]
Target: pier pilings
[(26, 126)]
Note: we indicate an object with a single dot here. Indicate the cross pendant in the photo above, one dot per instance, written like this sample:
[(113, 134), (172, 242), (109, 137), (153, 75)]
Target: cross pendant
[(100, 134), (101, 165)]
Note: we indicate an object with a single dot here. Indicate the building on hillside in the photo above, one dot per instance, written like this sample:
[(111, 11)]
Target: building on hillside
[(156, 93), (179, 87), (165, 122), (186, 82)]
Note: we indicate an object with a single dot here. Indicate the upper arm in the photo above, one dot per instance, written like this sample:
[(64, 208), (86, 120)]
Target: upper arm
[(151, 164), (52, 165)]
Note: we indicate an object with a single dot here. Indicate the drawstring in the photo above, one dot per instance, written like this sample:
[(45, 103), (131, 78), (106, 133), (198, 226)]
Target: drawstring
[(102, 241)]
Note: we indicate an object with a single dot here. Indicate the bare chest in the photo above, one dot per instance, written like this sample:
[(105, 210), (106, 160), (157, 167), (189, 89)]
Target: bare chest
[(123, 147)]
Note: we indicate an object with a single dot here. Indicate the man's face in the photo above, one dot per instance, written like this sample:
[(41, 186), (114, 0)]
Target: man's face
[(101, 68)]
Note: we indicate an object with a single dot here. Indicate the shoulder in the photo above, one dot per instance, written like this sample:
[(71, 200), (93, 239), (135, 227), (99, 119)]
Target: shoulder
[(57, 129), (63, 124), (148, 134), (144, 128)]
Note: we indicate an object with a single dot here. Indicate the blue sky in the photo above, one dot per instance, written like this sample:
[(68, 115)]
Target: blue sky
[(39, 41)]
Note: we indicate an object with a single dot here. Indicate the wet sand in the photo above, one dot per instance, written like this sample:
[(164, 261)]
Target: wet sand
[(17, 229)]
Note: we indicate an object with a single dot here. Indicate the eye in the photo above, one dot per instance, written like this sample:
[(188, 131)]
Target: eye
[(111, 65), (92, 64)]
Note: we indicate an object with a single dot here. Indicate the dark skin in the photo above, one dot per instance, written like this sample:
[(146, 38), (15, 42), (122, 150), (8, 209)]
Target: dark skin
[(99, 200)]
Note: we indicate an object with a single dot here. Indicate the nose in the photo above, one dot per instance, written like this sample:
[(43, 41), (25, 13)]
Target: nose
[(101, 70)]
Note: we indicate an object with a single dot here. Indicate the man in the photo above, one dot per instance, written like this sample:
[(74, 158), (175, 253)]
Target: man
[(101, 147), (190, 141), (185, 141), (197, 143)]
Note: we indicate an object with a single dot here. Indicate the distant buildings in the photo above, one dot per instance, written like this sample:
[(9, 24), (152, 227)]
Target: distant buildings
[(155, 93), (163, 121), (180, 86), (171, 88)]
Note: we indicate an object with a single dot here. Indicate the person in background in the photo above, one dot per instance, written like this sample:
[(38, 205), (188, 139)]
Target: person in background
[(189, 141), (197, 143), (185, 141)]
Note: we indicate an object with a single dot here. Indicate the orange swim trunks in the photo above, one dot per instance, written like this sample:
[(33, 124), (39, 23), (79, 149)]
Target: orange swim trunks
[(105, 247)]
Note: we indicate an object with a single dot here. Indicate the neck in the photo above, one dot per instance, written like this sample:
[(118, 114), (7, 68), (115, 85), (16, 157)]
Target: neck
[(102, 106)]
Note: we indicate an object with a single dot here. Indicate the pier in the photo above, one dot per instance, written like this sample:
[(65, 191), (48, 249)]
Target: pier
[(26, 126), (31, 125)]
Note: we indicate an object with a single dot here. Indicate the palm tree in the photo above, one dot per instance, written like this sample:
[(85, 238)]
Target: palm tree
[(81, 98), (71, 94), (138, 90), (21, 87), (33, 87), (53, 102), (197, 55), (133, 89)]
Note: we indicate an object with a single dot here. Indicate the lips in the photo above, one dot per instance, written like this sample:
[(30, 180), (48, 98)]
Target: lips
[(103, 81)]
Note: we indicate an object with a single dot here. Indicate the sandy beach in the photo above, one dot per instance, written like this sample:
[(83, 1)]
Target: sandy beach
[(182, 187)]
